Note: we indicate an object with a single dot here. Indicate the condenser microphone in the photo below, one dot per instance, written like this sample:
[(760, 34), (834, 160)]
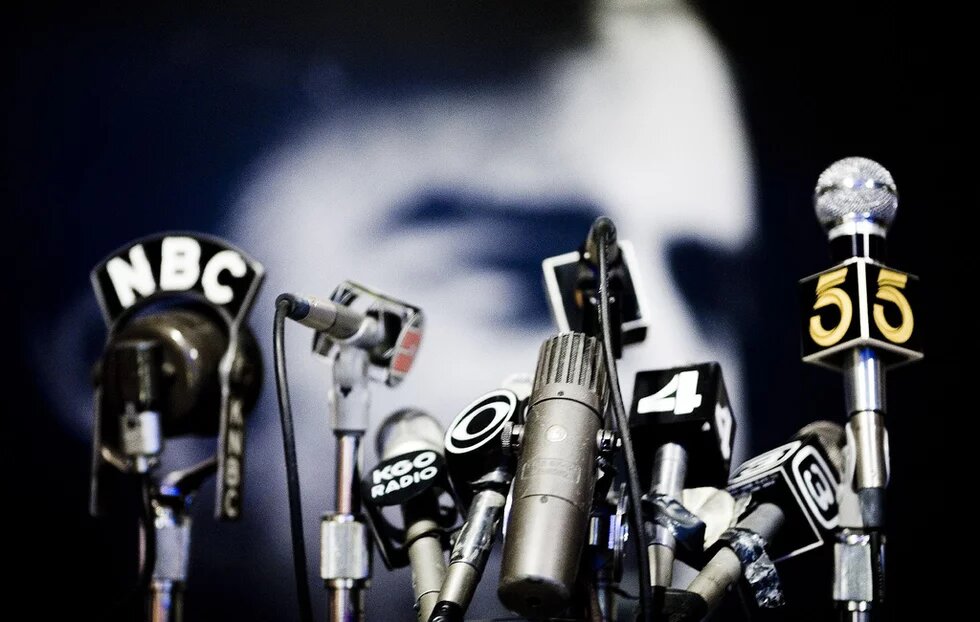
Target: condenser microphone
[(555, 477), (481, 469)]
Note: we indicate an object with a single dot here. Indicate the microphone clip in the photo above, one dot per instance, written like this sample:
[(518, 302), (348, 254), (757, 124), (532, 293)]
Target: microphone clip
[(401, 326)]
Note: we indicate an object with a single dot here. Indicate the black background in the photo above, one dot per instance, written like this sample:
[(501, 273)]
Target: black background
[(124, 120)]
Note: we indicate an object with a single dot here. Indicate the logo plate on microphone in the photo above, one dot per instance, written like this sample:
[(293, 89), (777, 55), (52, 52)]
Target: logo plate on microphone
[(176, 264), (817, 484), (687, 405), (860, 303), (396, 480), (552, 466), (481, 422)]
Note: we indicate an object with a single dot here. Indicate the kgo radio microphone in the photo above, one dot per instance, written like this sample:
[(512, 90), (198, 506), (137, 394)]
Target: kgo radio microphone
[(366, 336), (481, 469), (554, 478), (411, 475), (859, 319), (792, 508)]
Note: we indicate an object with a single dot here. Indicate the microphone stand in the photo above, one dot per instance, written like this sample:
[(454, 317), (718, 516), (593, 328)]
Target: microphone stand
[(170, 503), (357, 331), (859, 551), (345, 556)]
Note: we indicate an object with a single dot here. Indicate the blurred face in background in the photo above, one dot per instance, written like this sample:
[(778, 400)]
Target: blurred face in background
[(449, 197)]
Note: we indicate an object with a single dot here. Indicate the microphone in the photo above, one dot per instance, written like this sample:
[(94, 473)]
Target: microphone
[(366, 336), (571, 284), (178, 360), (859, 319), (411, 475), (683, 420), (792, 509), (337, 321), (555, 477), (481, 471)]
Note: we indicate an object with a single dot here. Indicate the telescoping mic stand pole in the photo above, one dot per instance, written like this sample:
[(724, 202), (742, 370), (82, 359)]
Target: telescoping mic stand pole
[(366, 336)]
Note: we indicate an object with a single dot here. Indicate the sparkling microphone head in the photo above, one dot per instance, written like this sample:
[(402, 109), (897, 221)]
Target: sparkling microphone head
[(855, 196)]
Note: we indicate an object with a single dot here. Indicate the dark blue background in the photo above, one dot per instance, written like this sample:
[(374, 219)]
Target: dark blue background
[(125, 120)]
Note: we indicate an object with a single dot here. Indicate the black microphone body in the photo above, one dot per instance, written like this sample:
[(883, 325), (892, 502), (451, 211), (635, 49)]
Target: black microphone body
[(555, 478)]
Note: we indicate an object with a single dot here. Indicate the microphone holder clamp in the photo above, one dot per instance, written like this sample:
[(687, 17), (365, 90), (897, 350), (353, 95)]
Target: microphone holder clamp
[(170, 503)]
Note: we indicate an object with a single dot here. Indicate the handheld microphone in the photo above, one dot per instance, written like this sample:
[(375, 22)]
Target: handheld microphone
[(411, 475), (859, 319), (791, 509), (481, 470), (859, 316), (682, 419), (555, 477)]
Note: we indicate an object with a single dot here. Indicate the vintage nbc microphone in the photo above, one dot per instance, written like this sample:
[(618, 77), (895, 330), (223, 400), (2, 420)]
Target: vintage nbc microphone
[(179, 360)]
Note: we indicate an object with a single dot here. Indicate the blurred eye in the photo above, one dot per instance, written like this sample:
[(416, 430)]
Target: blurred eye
[(511, 237)]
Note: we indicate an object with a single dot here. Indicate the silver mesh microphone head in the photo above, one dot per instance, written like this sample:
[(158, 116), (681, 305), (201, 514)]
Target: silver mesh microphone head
[(855, 195), (408, 430), (571, 362)]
